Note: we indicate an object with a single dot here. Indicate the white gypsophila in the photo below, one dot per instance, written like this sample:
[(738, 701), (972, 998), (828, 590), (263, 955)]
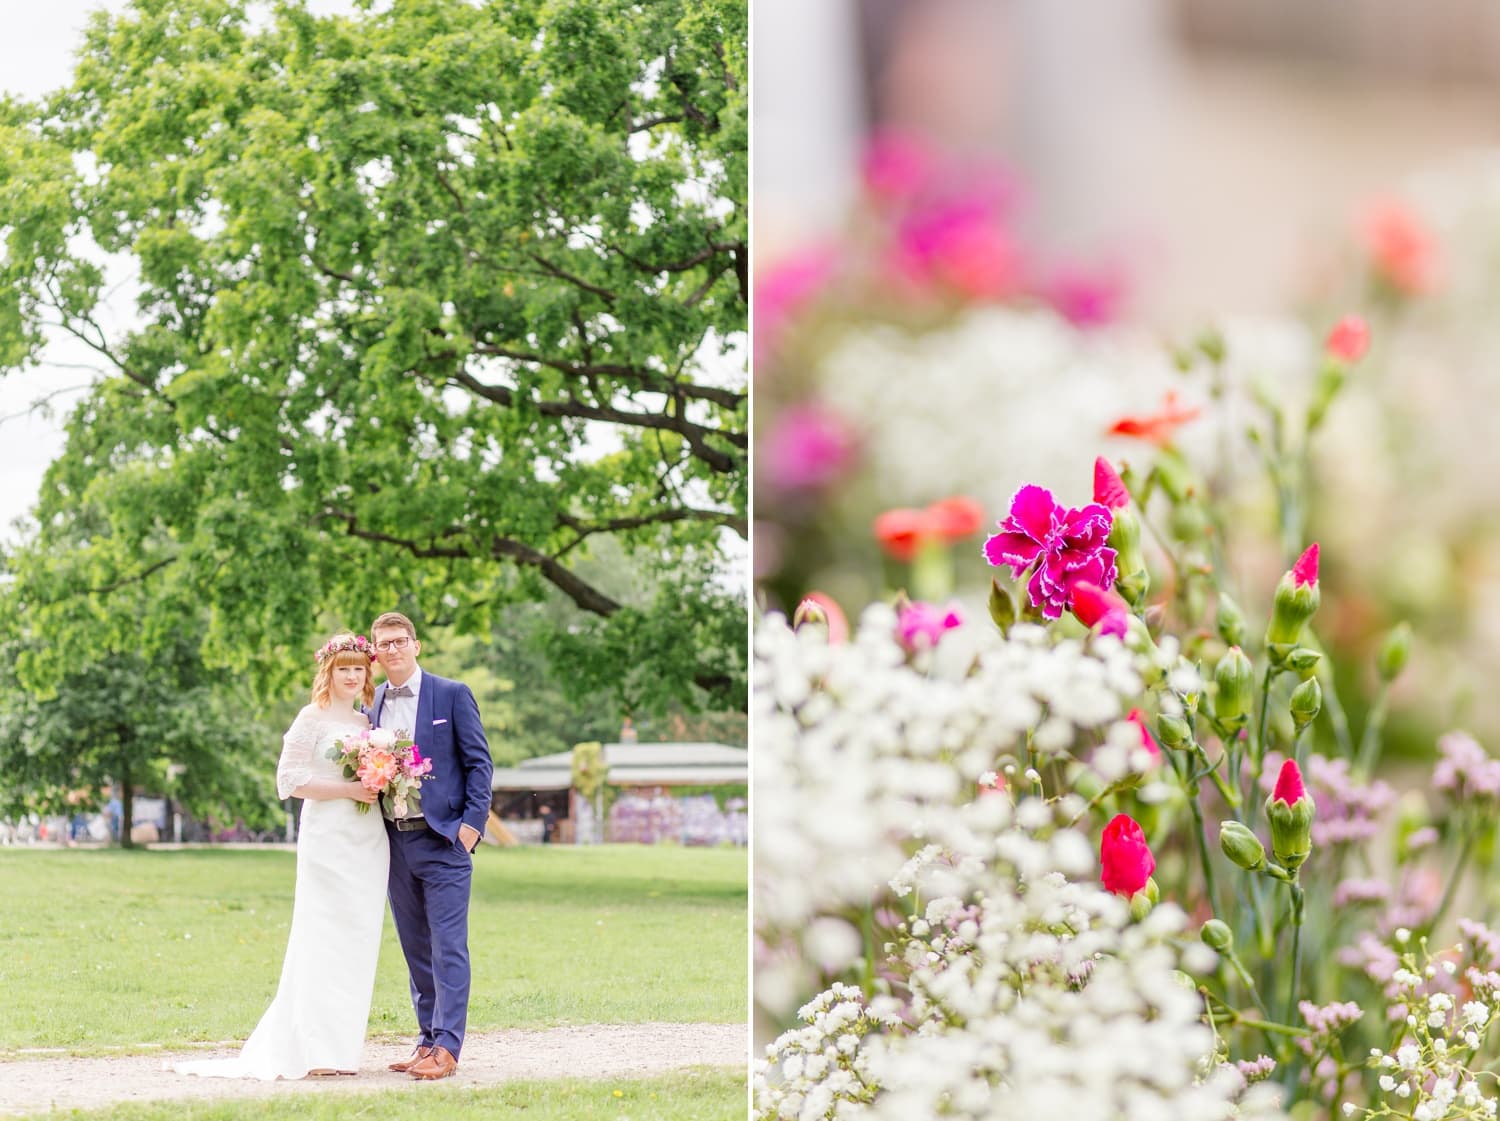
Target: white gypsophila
[(856, 750), (1432, 1072), (1028, 992)]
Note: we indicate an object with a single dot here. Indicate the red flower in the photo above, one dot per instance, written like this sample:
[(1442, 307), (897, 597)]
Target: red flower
[(1159, 427), (1400, 247), (1148, 741), (953, 519), (1109, 491), (1349, 339), (1125, 860), (1305, 571), (1094, 606), (902, 531), (1289, 788)]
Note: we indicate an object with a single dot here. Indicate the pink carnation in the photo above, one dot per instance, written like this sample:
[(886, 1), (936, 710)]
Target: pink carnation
[(1125, 859), (1060, 546), (923, 624)]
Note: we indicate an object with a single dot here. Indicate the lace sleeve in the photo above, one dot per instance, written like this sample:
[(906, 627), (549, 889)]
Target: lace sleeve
[(295, 767)]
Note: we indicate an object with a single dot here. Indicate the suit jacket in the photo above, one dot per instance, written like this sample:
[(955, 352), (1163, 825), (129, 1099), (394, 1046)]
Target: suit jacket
[(448, 732)]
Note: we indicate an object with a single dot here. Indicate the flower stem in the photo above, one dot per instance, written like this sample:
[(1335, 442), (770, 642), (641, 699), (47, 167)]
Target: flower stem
[(1291, 995), (1453, 880), (1258, 748), (1372, 739)]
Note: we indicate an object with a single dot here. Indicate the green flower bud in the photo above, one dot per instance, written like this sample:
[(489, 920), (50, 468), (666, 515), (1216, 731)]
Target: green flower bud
[(1173, 731), (1002, 607), (1242, 846), (1303, 662), (1230, 622), (1217, 935), (1394, 651), (1290, 812), (1234, 678), (1211, 343), (1307, 699), (1296, 601), (1125, 538), (1188, 522), (1174, 475), (1145, 899), (1330, 380), (809, 611)]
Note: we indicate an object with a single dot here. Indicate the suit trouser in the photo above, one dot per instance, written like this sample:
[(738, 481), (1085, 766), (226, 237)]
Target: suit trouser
[(429, 887)]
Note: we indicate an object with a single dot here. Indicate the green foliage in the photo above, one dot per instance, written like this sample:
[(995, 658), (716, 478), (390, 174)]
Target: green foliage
[(119, 719), (589, 770), (432, 302)]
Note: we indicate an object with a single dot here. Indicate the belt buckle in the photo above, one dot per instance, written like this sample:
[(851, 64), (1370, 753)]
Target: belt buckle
[(410, 824)]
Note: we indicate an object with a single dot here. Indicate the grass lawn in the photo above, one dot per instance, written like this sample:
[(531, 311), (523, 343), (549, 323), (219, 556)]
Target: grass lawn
[(688, 1095), (105, 950)]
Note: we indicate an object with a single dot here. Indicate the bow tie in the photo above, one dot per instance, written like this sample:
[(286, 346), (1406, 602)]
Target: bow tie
[(399, 691)]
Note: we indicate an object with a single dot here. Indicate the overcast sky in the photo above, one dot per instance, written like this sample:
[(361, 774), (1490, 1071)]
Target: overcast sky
[(36, 56)]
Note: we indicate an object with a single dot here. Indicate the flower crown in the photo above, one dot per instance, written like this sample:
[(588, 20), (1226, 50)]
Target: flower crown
[(337, 645)]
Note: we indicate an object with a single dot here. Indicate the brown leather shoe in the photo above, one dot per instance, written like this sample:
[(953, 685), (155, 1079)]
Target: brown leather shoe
[(412, 1060), (439, 1064)]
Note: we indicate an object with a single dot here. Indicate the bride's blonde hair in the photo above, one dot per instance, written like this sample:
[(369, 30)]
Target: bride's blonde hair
[(343, 650)]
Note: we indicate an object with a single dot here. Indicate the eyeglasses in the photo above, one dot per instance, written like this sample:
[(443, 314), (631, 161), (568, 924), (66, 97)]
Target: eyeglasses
[(393, 644)]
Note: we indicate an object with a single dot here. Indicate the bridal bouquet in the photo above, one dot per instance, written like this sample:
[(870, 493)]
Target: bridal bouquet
[(383, 760)]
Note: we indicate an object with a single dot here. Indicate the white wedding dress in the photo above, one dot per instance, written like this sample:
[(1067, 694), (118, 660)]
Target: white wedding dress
[(322, 1005)]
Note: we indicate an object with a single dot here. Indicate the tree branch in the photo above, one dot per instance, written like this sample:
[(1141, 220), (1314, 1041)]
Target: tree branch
[(582, 593), (649, 379), (694, 434), (577, 281)]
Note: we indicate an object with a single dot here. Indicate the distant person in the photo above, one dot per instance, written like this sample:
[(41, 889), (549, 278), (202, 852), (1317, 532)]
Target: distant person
[(432, 847), (316, 1023), (113, 810)]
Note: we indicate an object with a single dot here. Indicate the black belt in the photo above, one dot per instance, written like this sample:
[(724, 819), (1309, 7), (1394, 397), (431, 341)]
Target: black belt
[(407, 824)]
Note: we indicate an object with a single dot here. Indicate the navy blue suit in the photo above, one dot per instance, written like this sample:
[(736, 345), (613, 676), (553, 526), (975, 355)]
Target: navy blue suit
[(431, 873)]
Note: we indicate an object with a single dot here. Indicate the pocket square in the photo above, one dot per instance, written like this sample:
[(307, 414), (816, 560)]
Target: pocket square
[(435, 723)]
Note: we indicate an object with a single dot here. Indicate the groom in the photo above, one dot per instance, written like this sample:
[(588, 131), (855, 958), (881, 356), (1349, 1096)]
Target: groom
[(432, 846)]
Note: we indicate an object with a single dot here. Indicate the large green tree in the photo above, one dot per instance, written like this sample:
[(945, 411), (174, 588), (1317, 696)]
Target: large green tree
[(165, 724), (432, 299)]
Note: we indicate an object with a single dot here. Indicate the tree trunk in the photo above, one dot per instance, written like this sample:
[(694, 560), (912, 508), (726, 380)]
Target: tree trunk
[(126, 804)]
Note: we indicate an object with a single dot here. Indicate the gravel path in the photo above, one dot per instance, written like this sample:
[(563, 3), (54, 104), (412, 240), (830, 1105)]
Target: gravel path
[(591, 1051)]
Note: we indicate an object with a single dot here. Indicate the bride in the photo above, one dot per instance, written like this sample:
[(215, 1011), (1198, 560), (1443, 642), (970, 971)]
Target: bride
[(316, 1024)]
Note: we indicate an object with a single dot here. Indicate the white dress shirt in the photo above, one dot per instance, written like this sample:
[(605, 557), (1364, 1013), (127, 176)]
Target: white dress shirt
[(400, 714)]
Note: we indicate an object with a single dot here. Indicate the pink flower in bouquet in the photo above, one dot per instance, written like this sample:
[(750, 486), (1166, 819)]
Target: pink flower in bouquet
[(923, 624), (1159, 427), (1061, 546), (377, 769), (806, 448), (1349, 339), (1401, 247), (1125, 860), (1095, 607)]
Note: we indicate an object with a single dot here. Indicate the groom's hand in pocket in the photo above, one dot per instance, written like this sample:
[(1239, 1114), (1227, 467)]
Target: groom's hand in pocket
[(468, 837)]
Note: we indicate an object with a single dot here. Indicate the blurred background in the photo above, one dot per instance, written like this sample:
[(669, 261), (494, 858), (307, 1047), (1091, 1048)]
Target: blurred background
[(987, 232)]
